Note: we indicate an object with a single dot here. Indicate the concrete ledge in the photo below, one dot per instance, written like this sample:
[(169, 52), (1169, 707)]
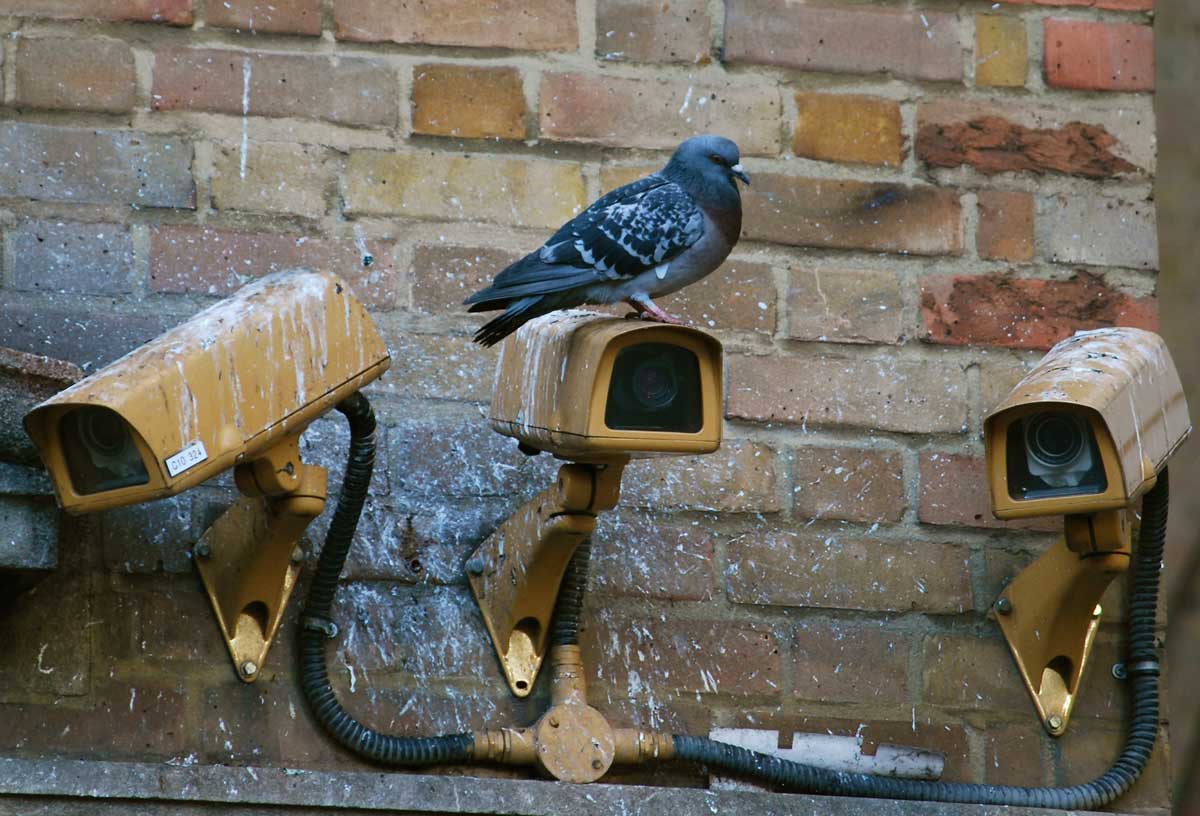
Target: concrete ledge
[(74, 786)]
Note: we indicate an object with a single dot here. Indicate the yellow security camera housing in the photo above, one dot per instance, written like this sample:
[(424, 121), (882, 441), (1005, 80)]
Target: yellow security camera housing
[(220, 389), (1084, 435), (587, 386), (233, 387), (1088, 429)]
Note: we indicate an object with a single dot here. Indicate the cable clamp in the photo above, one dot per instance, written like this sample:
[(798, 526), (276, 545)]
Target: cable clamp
[(1143, 667), (318, 624)]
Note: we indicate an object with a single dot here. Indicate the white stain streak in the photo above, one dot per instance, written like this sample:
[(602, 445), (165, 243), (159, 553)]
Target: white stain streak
[(687, 100), (41, 653), (245, 113)]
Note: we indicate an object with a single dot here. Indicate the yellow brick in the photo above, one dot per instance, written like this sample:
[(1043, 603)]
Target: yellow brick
[(271, 178), (846, 128), (524, 193), (468, 102), (1000, 50)]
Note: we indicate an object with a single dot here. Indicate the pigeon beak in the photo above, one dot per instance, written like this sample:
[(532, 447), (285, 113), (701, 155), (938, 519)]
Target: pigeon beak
[(740, 173)]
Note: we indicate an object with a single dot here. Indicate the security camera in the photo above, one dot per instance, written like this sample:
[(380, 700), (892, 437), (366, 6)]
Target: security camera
[(597, 391), (1084, 435), (233, 387), (1088, 429), (582, 386)]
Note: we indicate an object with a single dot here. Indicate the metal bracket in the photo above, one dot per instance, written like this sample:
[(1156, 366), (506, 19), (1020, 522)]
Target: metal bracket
[(516, 572), (1050, 612), (246, 558)]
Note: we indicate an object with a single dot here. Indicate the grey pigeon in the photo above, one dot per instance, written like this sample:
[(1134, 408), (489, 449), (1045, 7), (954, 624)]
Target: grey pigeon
[(640, 241)]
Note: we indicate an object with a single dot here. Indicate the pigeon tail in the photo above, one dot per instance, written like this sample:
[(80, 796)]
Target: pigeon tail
[(516, 315)]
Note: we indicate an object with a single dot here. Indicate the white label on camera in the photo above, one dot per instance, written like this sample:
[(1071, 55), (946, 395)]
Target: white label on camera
[(190, 456)]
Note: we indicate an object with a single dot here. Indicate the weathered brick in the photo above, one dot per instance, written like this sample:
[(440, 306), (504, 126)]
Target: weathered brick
[(845, 572), (85, 165), (267, 17), (532, 25), (155, 620), (277, 178), (635, 555), (857, 40), (468, 102), (1001, 51), (211, 261), (921, 220), (614, 176), (1094, 56), (443, 276), (55, 256), (153, 537), (84, 336), (658, 114), (845, 305), (997, 377), (996, 138), (1088, 750), (173, 12), (965, 671), (1005, 227), (1102, 231), (740, 477), (346, 90), (457, 188), (848, 483), (739, 295), (652, 31), (46, 651), (75, 74), (954, 490), (835, 662), (1016, 755), (1113, 5), (1000, 310), (848, 128), (681, 656), (888, 394), (434, 366)]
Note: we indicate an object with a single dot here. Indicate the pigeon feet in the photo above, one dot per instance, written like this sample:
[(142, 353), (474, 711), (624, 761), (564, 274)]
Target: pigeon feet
[(648, 310)]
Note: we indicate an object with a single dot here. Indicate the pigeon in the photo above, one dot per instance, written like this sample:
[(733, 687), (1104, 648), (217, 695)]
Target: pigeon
[(638, 242)]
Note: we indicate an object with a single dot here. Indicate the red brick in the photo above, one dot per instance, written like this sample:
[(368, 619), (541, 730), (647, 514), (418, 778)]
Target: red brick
[(652, 31), (740, 477), (208, 261), (647, 557), (267, 17), (966, 671), (835, 662), (635, 656), (279, 85), (813, 569), (173, 12), (1017, 754), (845, 305), (857, 40), (53, 256), (954, 490), (833, 214), (443, 276), (848, 128), (1113, 5), (90, 166), (848, 483), (468, 102), (887, 394), (657, 114), (1005, 229), (75, 74), (529, 25), (992, 144), (1000, 310), (1094, 56)]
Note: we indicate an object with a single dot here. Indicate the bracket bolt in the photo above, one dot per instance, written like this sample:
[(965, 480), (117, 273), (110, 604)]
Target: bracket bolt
[(202, 550), (475, 565), (554, 722), (597, 764), (298, 555), (1055, 722), (249, 668), (1119, 671), (1004, 606)]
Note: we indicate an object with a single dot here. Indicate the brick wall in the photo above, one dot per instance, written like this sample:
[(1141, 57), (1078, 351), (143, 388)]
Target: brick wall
[(941, 191)]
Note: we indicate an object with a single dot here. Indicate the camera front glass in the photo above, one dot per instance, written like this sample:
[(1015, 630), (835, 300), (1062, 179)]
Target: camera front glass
[(100, 451), (655, 387), (1053, 454)]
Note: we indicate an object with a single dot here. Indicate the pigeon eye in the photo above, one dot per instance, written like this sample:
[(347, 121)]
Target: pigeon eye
[(716, 159)]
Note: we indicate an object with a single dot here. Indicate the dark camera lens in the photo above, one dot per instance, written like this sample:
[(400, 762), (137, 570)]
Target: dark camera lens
[(1055, 440), (654, 384), (103, 432), (100, 452)]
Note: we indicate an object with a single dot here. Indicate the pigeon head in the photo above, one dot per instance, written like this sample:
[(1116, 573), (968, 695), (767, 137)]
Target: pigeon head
[(707, 166)]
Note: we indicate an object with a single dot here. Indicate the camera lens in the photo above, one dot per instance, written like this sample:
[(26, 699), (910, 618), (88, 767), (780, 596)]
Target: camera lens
[(1055, 440), (654, 384), (103, 432), (100, 452)]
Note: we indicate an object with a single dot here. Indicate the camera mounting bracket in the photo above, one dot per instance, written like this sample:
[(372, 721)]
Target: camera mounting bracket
[(516, 572), (1050, 612), (248, 559)]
